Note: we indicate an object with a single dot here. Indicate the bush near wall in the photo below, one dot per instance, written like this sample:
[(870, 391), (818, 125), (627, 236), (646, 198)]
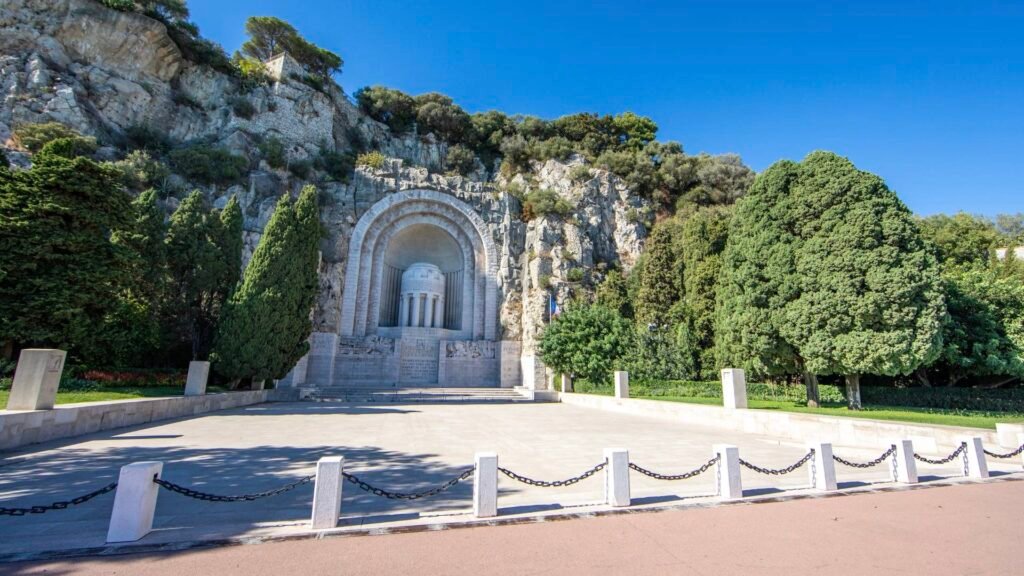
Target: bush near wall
[(994, 400)]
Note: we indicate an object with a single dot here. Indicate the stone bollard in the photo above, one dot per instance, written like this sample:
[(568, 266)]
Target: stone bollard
[(734, 388), (621, 384), (823, 471), (616, 477), (36, 379), (730, 481), (485, 485), (977, 467), (327, 492), (134, 502), (198, 374), (566, 383), (1009, 434), (905, 466)]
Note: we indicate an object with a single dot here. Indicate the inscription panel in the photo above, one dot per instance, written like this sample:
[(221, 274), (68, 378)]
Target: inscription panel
[(418, 361)]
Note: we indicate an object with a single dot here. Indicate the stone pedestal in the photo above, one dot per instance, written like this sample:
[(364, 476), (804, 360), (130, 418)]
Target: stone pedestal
[(566, 383), (905, 467), (621, 384), (823, 472), (134, 502), (977, 467), (198, 374), (327, 492), (1009, 434), (36, 379), (734, 388), (730, 480), (616, 477), (485, 485)]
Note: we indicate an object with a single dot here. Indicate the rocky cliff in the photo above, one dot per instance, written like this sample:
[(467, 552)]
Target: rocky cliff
[(104, 73)]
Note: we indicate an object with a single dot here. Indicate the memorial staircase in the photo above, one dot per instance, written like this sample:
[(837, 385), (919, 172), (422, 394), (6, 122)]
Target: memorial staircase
[(431, 395)]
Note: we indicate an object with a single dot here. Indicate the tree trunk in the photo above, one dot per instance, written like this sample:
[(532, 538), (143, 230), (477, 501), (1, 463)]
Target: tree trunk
[(853, 391), (922, 377), (813, 395)]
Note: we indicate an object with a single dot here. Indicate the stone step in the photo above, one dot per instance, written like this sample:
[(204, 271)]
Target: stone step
[(370, 395)]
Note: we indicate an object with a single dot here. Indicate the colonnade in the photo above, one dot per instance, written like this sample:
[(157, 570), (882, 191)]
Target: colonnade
[(421, 310)]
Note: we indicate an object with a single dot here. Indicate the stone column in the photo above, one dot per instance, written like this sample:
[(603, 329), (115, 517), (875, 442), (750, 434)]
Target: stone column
[(403, 310), (566, 383), (977, 467), (823, 471), (616, 477), (730, 481), (36, 379), (429, 316), (485, 485), (415, 321), (198, 374), (905, 467), (327, 492), (621, 384), (734, 388)]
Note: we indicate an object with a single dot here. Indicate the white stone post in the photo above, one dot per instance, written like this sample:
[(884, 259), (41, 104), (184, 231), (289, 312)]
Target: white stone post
[(730, 482), (823, 471), (1009, 434), (906, 466), (198, 374), (36, 379), (616, 477), (327, 492), (621, 384), (485, 485), (134, 502), (566, 383), (734, 388), (977, 467)]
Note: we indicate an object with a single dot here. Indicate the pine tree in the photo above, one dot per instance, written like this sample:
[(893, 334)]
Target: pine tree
[(266, 323), (59, 271), (870, 293)]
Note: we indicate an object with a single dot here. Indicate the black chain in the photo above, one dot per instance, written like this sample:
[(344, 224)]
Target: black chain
[(408, 496), (885, 455), (685, 476), (946, 460), (63, 504), (557, 483), (779, 471), (217, 498), (1017, 452)]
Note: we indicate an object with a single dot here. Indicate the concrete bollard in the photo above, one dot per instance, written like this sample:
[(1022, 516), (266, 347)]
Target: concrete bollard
[(977, 467), (134, 502), (730, 481), (198, 374), (566, 383), (906, 466), (621, 384), (823, 472), (36, 379), (734, 388), (485, 485), (327, 492), (616, 477)]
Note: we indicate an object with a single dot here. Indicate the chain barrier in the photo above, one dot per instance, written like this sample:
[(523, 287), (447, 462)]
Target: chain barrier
[(779, 471), (961, 450), (61, 505), (189, 492), (557, 483), (408, 496), (684, 476), (875, 462), (1015, 453)]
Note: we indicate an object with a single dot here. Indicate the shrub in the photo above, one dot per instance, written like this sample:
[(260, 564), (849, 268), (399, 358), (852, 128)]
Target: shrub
[(182, 99), (242, 107), (544, 202), (392, 107), (4, 163), (544, 281), (372, 159), (120, 5), (33, 137), (273, 152), (575, 275), (208, 164), (557, 148), (437, 114), (301, 168), (251, 73), (338, 166), (142, 137), (142, 171), (579, 174), (460, 160), (587, 341)]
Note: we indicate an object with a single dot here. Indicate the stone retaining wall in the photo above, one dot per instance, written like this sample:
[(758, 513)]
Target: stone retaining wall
[(853, 432), (21, 428)]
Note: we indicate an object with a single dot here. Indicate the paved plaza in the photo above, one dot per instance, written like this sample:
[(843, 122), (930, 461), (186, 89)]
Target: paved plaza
[(399, 447)]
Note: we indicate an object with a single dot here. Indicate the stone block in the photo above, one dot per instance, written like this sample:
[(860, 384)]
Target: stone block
[(327, 492), (734, 388), (485, 485), (906, 466), (134, 502), (198, 374), (566, 383), (621, 384), (823, 469), (616, 477), (730, 480), (36, 379), (977, 467), (1009, 434)]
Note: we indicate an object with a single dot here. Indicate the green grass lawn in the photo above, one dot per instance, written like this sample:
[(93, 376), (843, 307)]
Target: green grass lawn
[(112, 393), (971, 418)]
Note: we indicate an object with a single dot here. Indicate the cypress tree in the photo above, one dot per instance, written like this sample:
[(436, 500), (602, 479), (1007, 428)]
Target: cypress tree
[(704, 237), (59, 271), (870, 298), (266, 323), (660, 279), (230, 244)]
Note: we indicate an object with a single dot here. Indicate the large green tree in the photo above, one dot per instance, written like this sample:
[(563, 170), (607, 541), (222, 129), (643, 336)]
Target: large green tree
[(60, 274), (586, 341), (871, 298), (660, 278), (961, 239), (703, 238), (266, 323)]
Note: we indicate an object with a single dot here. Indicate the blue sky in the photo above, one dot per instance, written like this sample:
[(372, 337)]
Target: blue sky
[(929, 95)]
